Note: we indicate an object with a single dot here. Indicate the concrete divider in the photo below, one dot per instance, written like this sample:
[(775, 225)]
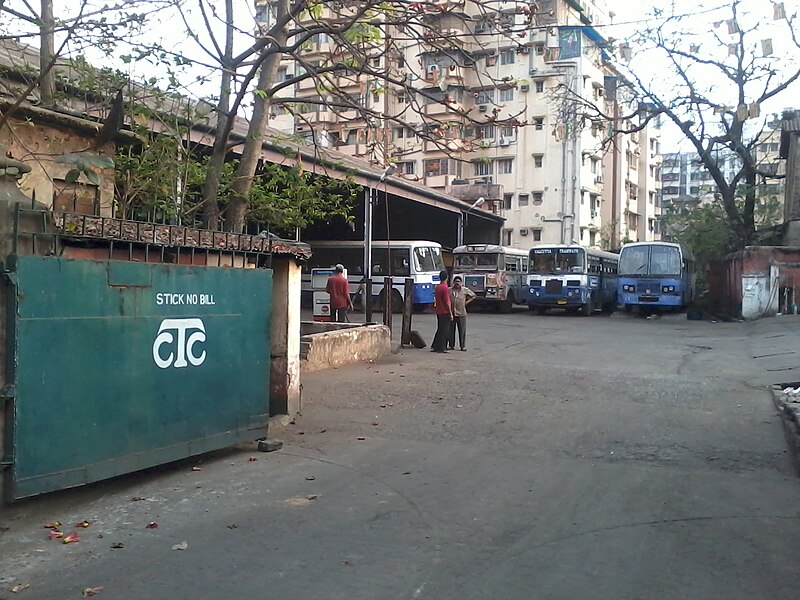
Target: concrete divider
[(326, 345)]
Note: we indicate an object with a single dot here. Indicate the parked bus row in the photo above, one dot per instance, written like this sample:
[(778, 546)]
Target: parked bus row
[(644, 275)]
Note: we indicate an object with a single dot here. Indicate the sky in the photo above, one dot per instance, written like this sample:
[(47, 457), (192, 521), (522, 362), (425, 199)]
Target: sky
[(631, 18)]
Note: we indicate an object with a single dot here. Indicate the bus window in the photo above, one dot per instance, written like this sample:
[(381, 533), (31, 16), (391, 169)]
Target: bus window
[(427, 259)]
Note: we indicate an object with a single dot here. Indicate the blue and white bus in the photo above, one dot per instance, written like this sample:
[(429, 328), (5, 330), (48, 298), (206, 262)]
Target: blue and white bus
[(495, 273), (571, 277), (655, 275), (420, 260)]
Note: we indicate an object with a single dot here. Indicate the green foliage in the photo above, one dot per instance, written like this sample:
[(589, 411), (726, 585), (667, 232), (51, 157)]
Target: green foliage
[(163, 179), (85, 163)]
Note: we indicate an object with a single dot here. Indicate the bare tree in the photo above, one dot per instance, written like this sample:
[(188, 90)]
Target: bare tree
[(712, 88)]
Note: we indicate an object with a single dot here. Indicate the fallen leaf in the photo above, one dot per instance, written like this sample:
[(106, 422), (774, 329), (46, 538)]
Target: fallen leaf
[(20, 587), (55, 534), (89, 592), (83, 524), (71, 538), (323, 430), (312, 496), (52, 525), (137, 499), (232, 526), (152, 525), (346, 562), (252, 459), (117, 546), (310, 478), (181, 546), (361, 438), (197, 468), (406, 472)]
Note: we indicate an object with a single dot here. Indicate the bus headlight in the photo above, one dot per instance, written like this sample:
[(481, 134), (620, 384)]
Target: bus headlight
[(628, 288), (668, 288)]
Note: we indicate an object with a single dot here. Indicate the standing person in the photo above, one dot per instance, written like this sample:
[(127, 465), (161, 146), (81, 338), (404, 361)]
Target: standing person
[(461, 297), (444, 314), (339, 290)]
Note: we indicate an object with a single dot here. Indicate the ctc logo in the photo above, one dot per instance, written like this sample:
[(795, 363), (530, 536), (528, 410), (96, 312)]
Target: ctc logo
[(181, 351)]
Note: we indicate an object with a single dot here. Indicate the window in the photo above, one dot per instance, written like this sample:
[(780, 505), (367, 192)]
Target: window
[(352, 137), (539, 50), (538, 197), (401, 98), (376, 97), (537, 235), (484, 132), (376, 62), (483, 167), (538, 123), (401, 62), (506, 237), (484, 97), (595, 166), (508, 132), (592, 238), (399, 133), (434, 167), (407, 167), (522, 200), (540, 87), (507, 57), (538, 161), (283, 74), (507, 198), (507, 95), (505, 166), (491, 60)]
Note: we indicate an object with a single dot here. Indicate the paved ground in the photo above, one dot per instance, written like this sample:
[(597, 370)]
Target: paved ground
[(559, 458)]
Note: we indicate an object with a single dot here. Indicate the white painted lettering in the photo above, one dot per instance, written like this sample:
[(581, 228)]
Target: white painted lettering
[(184, 347)]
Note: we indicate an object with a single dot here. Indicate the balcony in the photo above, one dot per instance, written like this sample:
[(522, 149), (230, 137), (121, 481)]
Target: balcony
[(440, 109), (469, 192)]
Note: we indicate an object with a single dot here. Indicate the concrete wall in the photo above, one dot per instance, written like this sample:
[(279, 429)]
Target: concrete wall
[(344, 345), (38, 146)]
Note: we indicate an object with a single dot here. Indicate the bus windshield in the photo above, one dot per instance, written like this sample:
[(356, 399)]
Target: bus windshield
[(557, 260), (650, 260), (477, 261), (428, 259)]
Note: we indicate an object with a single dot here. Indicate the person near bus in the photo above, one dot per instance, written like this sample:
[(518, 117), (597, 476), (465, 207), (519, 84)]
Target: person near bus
[(444, 314), (339, 290), (460, 297)]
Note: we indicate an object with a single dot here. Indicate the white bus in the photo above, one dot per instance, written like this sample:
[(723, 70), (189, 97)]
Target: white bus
[(495, 273), (418, 259)]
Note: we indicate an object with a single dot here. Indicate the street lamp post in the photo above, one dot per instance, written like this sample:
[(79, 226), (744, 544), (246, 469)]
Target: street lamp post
[(371, 197), (462, 225)]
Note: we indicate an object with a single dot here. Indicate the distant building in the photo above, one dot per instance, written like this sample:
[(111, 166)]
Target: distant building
[(497, 106)]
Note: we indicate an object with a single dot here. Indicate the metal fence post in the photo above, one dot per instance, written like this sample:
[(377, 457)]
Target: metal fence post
[(408, 309), (387, 303), (366, 300)]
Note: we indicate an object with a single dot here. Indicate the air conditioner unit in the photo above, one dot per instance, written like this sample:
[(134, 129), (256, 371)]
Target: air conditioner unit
[(503, 141), (523, 231), (433, 68), (485, 144), (524, 87), (483, 108)]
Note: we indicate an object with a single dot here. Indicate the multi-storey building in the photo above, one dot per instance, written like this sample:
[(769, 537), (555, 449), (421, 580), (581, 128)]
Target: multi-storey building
[(492, 107)]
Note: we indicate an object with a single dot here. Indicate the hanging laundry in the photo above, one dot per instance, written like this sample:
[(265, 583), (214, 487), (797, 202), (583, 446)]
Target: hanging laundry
[(778, 11), (766, 47), (741, 112), (732, 49), (754, 110)]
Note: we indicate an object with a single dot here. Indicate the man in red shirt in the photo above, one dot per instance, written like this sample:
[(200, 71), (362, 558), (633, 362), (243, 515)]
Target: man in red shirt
[(339, 290), (444, 314)]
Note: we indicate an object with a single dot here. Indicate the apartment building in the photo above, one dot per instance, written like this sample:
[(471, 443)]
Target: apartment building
[(493, 114)]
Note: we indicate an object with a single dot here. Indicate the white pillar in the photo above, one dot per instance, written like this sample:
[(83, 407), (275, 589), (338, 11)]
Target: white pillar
[(285, 353)]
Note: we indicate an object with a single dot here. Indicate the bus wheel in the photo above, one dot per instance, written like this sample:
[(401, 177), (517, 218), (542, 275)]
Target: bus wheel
[(587, 309), (396, 299), (628, 308)]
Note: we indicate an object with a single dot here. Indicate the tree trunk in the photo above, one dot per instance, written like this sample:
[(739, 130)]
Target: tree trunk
[(47, 79), (217, 161), (243, 179)]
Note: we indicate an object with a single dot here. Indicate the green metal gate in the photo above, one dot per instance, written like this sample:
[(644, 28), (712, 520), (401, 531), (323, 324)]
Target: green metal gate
[(118, 366)]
